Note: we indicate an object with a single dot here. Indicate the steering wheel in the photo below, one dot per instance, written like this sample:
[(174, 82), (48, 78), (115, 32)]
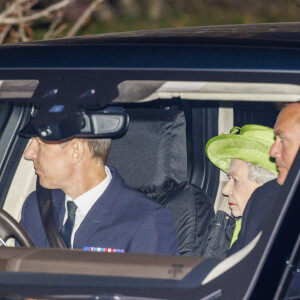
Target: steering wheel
[(10, 228)]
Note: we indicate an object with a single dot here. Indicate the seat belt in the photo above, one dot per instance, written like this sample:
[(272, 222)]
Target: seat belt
[(44, 200)]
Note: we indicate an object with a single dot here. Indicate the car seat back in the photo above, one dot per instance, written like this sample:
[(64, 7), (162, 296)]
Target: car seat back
[(152, 158)]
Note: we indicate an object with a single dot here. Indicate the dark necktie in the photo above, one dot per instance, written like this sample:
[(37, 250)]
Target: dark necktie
[(67, 229)]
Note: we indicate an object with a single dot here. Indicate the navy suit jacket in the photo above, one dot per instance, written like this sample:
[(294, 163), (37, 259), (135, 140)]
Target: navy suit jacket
[(122, 218)]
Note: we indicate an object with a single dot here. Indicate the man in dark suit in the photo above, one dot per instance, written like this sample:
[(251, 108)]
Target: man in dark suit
[(94, 209), (259, 206), (284, 150)]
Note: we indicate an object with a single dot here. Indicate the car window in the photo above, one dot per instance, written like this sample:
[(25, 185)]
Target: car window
[(13, 117)]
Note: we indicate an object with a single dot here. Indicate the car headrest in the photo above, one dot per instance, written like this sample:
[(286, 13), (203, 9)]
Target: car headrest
[(152, 155)]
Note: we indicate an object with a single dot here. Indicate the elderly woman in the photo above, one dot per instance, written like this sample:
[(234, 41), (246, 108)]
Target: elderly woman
[(244, 156)]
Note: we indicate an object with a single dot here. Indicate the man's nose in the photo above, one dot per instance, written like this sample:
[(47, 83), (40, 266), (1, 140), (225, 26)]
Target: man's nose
[(30, 153), (274, 150)]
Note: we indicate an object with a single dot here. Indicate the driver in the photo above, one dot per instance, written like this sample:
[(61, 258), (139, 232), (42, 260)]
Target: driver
[(94, 209)]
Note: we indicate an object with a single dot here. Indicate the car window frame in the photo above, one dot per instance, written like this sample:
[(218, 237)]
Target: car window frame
[(12, 146)]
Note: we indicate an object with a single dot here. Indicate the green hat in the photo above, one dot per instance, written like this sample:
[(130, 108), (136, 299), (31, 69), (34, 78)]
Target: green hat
[(250, 143)]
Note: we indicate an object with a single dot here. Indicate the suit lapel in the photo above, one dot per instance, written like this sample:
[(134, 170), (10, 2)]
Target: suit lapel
[(58, 199), (97, 216)]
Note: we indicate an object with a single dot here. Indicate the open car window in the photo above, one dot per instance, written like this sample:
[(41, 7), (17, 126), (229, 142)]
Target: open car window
[(37, 262), (181, 272)]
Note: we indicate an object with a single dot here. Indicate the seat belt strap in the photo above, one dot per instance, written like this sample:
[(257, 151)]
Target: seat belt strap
[(44, 200)]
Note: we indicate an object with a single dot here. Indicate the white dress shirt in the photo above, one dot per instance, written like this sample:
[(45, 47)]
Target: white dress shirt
[(85, 202)]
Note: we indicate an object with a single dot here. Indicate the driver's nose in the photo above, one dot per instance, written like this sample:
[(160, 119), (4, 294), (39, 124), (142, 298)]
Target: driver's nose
[(31, 151)]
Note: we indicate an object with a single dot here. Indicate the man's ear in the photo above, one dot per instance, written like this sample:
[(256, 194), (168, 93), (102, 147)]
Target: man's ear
[(77, 150)]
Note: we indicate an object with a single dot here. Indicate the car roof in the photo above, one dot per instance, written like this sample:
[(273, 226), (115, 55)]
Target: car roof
[(273, 34), (90, 69), (163, 48)]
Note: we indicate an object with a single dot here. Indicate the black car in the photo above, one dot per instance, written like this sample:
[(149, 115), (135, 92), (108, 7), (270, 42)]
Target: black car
[(190, 83)]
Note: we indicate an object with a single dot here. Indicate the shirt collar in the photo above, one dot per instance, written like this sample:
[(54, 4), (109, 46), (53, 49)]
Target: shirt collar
[(85, 201)]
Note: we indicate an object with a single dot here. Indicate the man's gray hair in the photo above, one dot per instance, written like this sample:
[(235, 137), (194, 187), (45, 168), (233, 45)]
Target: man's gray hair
[(259, 174), (99, 148)]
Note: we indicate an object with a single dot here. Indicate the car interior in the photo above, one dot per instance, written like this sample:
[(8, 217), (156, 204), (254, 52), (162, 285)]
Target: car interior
[(162, 154)]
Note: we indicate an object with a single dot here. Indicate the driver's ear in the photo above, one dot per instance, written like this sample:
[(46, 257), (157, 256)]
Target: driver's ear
[(77, 150)]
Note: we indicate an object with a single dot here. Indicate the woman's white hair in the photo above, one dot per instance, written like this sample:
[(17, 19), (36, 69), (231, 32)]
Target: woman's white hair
[(259, 174)]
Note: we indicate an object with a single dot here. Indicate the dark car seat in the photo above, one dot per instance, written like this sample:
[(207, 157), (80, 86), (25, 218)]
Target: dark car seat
[(152, 158)]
